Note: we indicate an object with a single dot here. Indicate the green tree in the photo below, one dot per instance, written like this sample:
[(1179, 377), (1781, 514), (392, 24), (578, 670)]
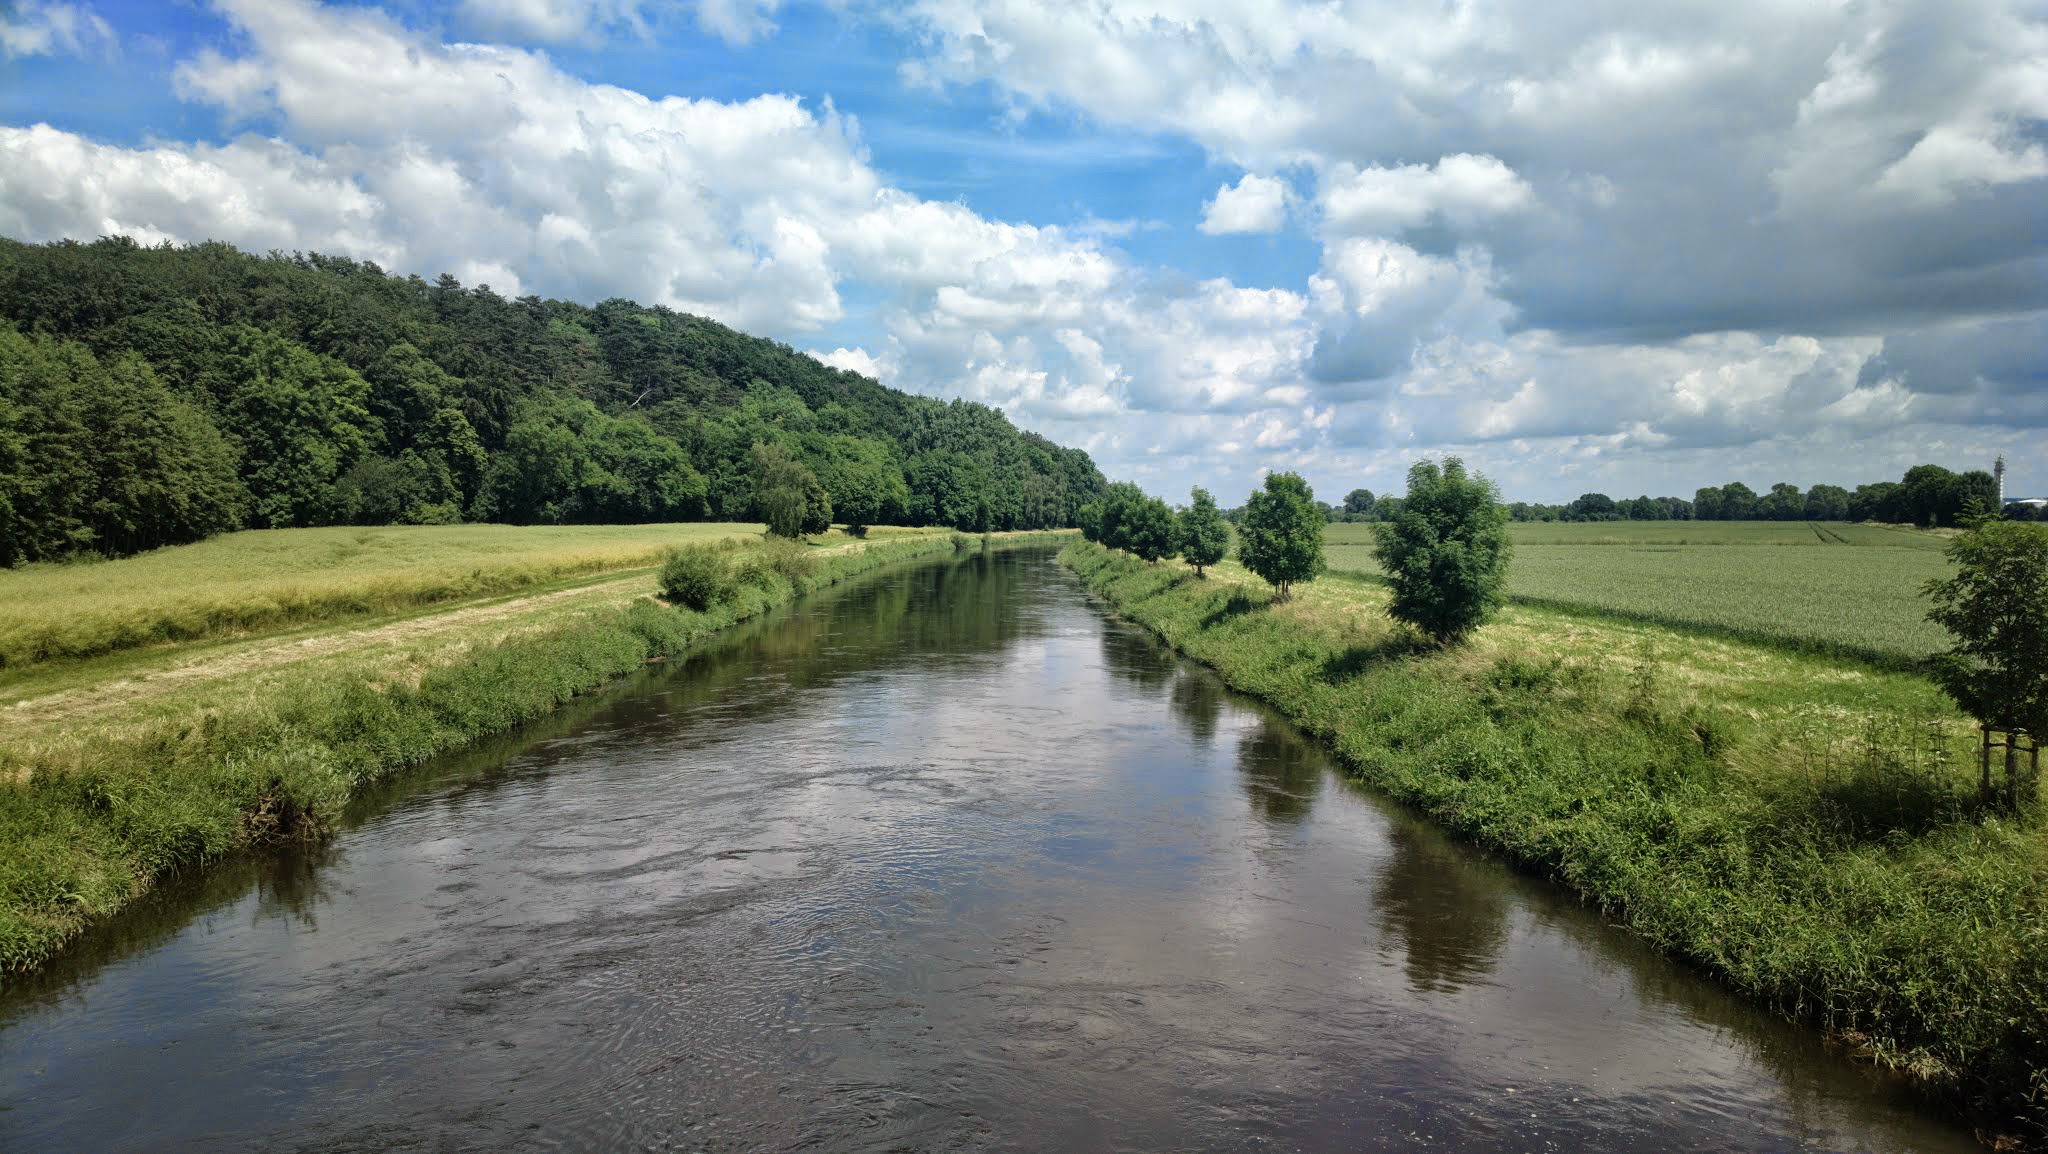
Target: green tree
[(1358, 504), (1827, 503), (1281, 538), (1204, 537), (1119, 510), (817, 506), (1996, 605), (301, 421), (1149, 528), (1783, 503), (1447, 552), (1738, 502)]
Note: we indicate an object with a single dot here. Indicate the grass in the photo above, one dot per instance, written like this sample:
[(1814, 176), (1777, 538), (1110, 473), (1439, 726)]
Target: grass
[(102, 793), (273, 578), (1804, 827), (1846, 589)]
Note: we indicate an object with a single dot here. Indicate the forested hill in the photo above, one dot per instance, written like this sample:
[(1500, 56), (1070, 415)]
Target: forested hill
[(151, 396)]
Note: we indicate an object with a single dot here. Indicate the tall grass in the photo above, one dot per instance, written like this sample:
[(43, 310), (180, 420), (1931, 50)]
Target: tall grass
[(266, 578), (90, 816), (1806, 829), (1852, 590)]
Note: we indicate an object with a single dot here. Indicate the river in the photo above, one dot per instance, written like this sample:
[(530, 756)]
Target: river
[(947, 858)]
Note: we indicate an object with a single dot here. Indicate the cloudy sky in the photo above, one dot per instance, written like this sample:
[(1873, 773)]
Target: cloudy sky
[(1607, 245)]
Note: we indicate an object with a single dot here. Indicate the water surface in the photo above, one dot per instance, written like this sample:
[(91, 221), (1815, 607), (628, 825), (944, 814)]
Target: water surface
[(947, 859)]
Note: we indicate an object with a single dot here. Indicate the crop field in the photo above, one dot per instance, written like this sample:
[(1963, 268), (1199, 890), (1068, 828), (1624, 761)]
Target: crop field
[(1831, 587), (270, 578)]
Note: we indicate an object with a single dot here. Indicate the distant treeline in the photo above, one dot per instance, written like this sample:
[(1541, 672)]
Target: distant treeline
[(1926, 495), (154, 396)]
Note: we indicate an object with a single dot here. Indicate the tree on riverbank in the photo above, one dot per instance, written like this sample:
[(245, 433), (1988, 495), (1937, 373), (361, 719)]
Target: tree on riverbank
[(1997, 607), (1204, 535), (1446, 551), (1281, 539)]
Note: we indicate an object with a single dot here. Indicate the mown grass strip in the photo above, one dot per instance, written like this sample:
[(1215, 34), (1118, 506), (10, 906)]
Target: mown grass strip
[(1856, 883), (94, 818)]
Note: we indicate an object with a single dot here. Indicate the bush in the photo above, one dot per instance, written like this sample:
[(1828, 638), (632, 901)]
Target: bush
[(698, 576), (1446, 551)]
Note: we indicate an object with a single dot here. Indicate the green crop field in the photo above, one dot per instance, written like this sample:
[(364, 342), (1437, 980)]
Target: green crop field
[(276, 577), (1826, 586)]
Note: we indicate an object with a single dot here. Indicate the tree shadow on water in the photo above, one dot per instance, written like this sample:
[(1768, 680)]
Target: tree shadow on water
[(1197, 699), (1282, 773), (1451, 923)]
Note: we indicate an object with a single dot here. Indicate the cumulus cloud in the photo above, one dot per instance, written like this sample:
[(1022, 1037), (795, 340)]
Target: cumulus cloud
[(1460, 190), (1254, 204), (52, 29), (1577, 242)]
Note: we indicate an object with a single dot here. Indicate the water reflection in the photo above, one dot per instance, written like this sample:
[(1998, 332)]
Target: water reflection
[(1136, 659), (1198, 700), (1447, 914), (1282, 773)]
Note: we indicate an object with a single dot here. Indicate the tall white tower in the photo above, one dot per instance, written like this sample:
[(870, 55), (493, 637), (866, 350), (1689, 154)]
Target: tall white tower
[(1998, 471)]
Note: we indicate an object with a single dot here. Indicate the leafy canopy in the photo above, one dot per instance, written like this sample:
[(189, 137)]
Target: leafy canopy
[(1281, 538), (787, 496), (1446, 551), (1997, 607), (1204, 535)]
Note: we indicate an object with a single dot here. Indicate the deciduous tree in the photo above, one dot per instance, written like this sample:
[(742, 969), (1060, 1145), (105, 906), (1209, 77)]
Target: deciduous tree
[(1447, 552), (1204, 535), (1281, 538)]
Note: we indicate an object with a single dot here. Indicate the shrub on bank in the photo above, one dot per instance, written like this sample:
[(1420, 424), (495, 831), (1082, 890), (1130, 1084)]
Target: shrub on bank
[(698, 576)]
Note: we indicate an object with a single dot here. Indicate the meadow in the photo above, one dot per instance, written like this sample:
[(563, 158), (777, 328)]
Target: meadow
[(1804, 826), (273, 578), (1827, 587)]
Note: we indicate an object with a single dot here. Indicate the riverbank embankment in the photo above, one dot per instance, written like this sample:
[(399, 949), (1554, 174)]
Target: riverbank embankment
[(1805, 828), (117, 770)]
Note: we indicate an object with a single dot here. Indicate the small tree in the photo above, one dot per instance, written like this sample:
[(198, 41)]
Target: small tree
[(786, 495), (1282, 536), (1997, 607), (1119, 505), (1204, 536), (1446, 551), (1149, 529)]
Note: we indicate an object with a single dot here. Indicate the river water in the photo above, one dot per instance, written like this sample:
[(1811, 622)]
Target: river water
[(946, 859)]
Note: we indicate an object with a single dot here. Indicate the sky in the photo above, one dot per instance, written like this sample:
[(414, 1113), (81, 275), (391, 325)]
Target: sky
[(1606, 246)]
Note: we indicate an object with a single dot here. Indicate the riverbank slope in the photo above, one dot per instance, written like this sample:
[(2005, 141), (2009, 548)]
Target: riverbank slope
[(117, 769), (1806, 828)]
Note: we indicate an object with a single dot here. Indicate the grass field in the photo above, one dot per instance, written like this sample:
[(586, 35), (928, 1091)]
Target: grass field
[(267, 579), (1803, 825), (1851, 589)]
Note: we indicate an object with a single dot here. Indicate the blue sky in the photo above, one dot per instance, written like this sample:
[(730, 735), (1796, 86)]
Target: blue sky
[(1633, 248)]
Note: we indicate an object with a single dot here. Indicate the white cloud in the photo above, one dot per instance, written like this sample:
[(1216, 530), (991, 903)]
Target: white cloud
[(853, 361), (1254, 204), (1460, 190), (52, 29)]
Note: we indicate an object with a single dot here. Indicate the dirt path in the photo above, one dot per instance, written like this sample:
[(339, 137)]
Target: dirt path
[(265, 654)]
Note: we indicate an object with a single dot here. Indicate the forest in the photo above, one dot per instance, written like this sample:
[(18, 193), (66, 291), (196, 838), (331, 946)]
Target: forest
[(154, 396)]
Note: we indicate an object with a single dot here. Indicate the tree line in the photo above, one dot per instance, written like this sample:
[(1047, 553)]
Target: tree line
[(1928, 495), (152, 396)]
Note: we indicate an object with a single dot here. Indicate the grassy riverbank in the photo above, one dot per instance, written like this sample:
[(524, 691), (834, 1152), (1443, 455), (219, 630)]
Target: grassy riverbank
[(99, 799), (1804, 827)]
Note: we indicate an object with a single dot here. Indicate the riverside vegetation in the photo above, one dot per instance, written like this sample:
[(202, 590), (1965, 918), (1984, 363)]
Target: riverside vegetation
[(120, 769), (1805, 826)]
